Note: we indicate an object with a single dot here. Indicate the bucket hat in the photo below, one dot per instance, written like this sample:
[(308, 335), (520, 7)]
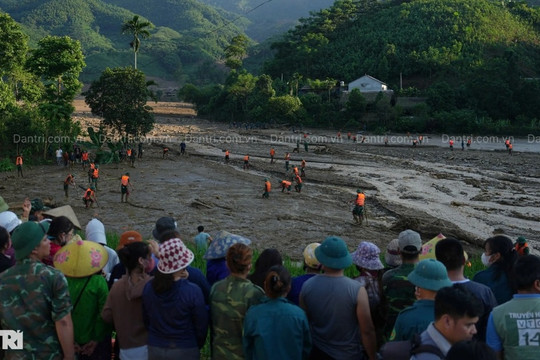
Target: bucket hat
[(367, 256), (81, 258), (9, 220), (223, 240), (333, 253), (26, 238), (95, 232), (309, 255), (391, 256), (174, 256), (164, 224), (430, 274), (409, 242)]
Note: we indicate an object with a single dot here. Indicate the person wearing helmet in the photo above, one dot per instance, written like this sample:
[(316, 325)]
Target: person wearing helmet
[(312, 267)]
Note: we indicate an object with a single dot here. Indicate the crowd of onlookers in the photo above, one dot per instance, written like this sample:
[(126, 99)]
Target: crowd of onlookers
[(74, 298)]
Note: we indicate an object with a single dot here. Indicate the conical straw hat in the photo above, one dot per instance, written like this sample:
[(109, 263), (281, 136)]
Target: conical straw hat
[(81, 258), (66, 211)]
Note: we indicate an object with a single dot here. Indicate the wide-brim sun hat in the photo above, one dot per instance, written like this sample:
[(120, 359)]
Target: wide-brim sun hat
[(221, 242), (81, 258), (430, 274), (309, 255), (367, 256), (333, 253), (174, 256), (9, 220), (66, 211)]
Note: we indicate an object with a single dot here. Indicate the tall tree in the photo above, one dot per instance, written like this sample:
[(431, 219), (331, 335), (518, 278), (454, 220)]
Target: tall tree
[(120, 96), (236, 52), (138, 29)]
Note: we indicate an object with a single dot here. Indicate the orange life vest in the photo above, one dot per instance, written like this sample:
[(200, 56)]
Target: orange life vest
[(267, 186), (95, 173), (272, 152), (360, 198), (286, 183), (19, 160), (227, 153), (295, 169), (69, 179), (520, 249), (125, 180), (89, 194), (128, 152), (246, 158), (303, 163), (451, 142), (84, 156), (510, 146), (507, 142), (298, 179), (92, 166)]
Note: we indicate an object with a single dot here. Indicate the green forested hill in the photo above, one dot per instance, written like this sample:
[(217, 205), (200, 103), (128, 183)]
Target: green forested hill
[(187, 40), (424, 40)]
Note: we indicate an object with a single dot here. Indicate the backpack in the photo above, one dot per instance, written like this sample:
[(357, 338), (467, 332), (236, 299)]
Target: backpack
[(403, 350)]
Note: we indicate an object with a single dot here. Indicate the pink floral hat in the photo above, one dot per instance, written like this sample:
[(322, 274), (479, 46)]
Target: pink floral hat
[(81, 258), (367, 256), (174, 256)]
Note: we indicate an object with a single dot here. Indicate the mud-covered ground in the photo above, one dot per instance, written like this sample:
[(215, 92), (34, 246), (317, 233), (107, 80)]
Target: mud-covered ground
[(467, 194)]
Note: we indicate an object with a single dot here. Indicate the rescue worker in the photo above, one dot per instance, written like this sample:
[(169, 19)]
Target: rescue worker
[(451, 143), (286, 185), (19, 164), (287, 159), (468, 142), (303, 168), (89, 197), (227, 154), (165, 152), (246, 162), (69, 180), (295, 170), (358, 210), (85, 160), (91, 168), (510, 147), (521, 246), (95, 176), (124, 187), (272, 154), (267, 188), (298, 186)]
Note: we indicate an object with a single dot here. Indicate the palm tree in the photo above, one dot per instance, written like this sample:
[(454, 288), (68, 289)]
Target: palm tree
[(139, 29)]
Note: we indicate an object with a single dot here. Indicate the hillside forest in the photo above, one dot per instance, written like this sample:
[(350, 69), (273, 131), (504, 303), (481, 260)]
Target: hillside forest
[(473, 64)]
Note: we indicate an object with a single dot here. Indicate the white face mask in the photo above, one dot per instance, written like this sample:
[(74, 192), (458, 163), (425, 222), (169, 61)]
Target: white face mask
[(485, 259)]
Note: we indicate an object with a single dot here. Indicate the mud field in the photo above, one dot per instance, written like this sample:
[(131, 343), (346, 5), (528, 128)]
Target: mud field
[(467, 194)]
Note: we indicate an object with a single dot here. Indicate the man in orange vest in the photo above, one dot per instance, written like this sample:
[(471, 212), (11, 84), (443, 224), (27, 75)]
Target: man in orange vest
[(521, 246), (295, 170), (267, 188), (287, 159), (85, 159), (95, 176), (70, 180), (272, 153), (510, 147), (507, 143), (298, 186), (303, 168), (451, 143), (227, 156), (165, 152), (124, 184), (19, 163), (286, 185), (246, 162), (89, 197), (358, 210)]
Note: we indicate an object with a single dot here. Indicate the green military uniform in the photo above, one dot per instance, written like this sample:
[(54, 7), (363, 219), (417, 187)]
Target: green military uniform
[(230, 299), (33, 296), (413, 320), (399, 293)]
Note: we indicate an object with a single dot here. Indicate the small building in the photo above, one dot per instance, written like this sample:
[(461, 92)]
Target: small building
[(367, 84)]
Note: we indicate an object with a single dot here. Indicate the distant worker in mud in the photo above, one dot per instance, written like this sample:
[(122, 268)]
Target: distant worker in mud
[(267, 188), (303, 168), (339, 135), (469, 141), (85, 159), (91, 168), (349, 136), (451, 143), (287, 159), (140, 146), (415, 143), (286, 185), (295, 171), (125, 184), (165, 152), (420, 139), (183, 148), (510, 147), (507, 143), (89, 197), (462, 144), (19, 164), (297, 148), (298, 186), (246, 162), (272, 154), (522, 246), (133, 157), (95, 176), (358, 210), (227, 154), (306, 145), (69, 180), (386, 141)]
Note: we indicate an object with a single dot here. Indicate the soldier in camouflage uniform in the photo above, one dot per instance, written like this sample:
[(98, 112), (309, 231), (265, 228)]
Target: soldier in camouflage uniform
[(398, 291), (34, 299), (230, 299)]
